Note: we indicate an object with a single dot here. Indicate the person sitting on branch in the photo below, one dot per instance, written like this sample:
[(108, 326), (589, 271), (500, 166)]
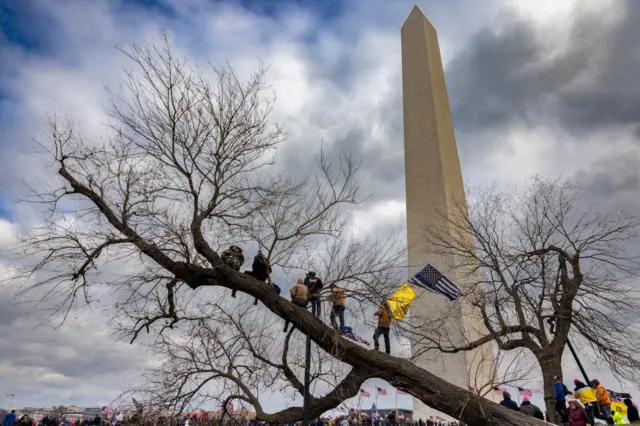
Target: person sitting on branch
[(260, 270), (233, 257)]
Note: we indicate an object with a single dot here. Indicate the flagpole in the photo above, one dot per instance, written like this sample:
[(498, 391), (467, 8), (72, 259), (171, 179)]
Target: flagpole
[(376, 397)]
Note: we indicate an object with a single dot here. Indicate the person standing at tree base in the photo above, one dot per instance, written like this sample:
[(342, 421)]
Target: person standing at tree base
[(578, 415), (603, 399), (560, 392), (588, 398)]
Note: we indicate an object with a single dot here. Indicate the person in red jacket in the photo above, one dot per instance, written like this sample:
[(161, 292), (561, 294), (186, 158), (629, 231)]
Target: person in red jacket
[(577, 414)]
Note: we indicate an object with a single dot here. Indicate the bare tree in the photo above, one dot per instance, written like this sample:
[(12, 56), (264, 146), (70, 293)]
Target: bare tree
[(187, 167), (545, 255), (502, 368)]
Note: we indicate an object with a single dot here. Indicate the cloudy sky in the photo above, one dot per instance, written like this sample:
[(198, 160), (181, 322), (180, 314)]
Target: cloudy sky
[(537, 86)]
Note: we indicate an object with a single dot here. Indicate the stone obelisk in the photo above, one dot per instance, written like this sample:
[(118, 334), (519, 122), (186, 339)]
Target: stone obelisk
[(434, 189)]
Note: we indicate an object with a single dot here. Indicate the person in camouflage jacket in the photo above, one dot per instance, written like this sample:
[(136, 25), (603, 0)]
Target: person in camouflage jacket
[(234, 259)]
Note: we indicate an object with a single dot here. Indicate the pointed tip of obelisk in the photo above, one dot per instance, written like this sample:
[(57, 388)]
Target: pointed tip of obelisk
[(416, 12), (416, 9)]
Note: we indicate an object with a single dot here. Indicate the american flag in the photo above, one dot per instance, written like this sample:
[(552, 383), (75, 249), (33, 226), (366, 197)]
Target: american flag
[(525, 392), (382, 391), (401, 392), (499, 391), (365, 393), (229, 407), (430, 279)]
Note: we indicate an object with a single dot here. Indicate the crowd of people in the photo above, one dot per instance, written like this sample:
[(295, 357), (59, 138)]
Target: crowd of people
[(13, 419), (307, 292), (392, 419), (590, 403)]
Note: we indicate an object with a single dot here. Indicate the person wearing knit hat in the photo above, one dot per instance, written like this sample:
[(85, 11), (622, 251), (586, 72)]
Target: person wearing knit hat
[(529, 409)]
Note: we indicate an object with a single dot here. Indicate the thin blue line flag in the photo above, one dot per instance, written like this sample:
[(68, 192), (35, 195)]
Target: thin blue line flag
[(430, 279)]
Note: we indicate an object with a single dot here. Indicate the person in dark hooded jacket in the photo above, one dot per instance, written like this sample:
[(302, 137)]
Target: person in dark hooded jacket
[(314, 284), (508, 402), (632, 411), (260, 270)]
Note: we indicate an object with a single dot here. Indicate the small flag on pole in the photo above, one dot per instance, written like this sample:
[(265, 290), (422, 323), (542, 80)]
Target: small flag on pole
[(382, 391), (401, 392), (229, 407), (499, 391), (365, 393), (525, 392), (430, 279)]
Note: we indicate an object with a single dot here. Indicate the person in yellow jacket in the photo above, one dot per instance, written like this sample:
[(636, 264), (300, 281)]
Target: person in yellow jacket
[(603, 399), (618, 419), (299, 297), (338, 304), (588, 398), (384, 324)]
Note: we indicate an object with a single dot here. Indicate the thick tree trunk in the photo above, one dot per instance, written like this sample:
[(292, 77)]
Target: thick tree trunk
[(401, 373), (552, 366)]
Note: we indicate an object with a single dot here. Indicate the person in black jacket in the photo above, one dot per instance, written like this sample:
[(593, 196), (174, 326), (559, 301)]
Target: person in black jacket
[(632, 411), (315, 285), (508, 402), (391, 417), (260, 270)]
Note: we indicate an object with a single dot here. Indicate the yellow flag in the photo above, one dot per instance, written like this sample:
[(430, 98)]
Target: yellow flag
[(620, 407), (400, 301)]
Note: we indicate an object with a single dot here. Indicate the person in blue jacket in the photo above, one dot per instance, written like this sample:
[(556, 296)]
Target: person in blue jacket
[(9, 419), (560, 392)]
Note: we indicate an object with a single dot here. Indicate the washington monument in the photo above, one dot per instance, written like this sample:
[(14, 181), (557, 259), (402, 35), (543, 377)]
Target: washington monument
[(434, 188)]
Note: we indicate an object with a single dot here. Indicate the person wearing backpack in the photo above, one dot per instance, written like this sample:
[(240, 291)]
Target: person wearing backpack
[(560, 392)]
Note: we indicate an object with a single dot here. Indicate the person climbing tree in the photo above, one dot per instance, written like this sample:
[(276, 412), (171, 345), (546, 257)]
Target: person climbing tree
[(338, 303), (299, 297), (384, 324), (314, 284)]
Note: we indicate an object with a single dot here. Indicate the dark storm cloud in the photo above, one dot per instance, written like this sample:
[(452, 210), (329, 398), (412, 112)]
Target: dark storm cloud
[(511, 73), (616, 177)]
